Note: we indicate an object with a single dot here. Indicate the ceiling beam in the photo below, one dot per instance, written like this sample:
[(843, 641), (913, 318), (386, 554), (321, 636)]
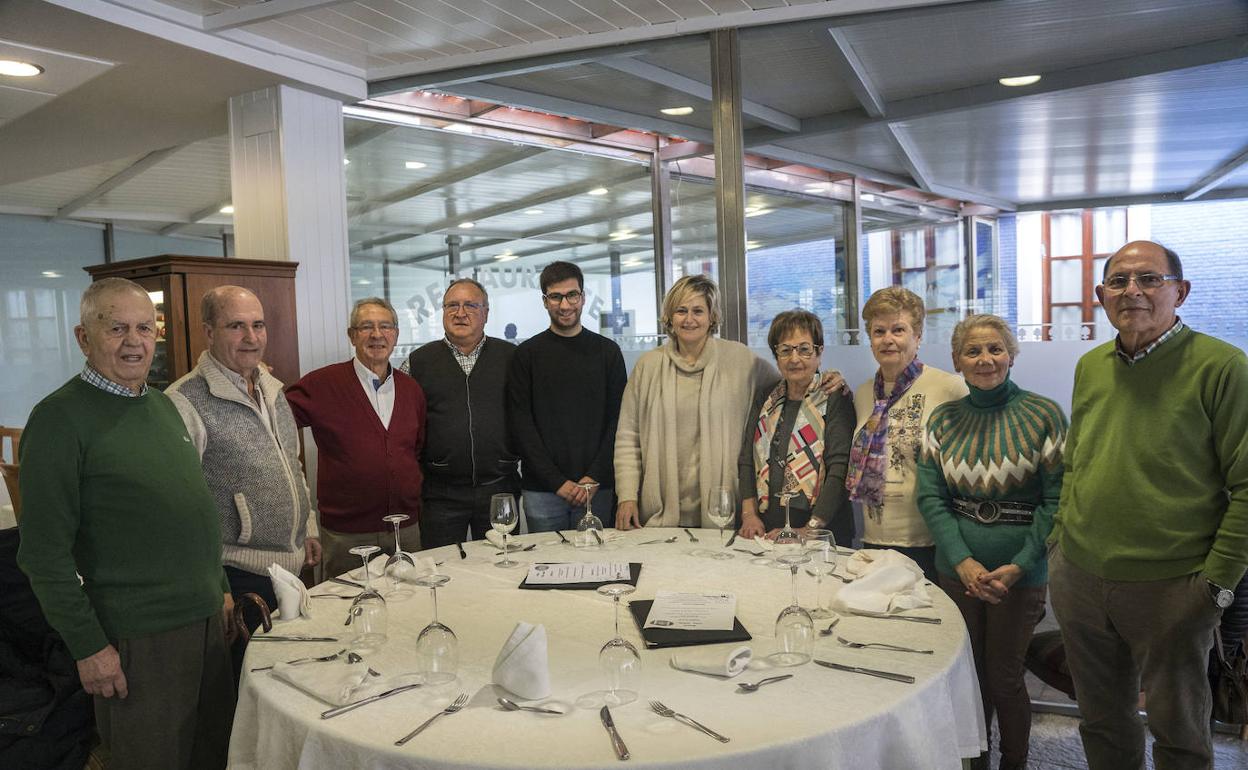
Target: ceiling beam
[(774, 118), (911, 158), (1216, 177), (592, 112), (196, 216), (985, 94), (114, 181), (262, 11), (681, 150), (854, 73), (483, 166), (831, 164)]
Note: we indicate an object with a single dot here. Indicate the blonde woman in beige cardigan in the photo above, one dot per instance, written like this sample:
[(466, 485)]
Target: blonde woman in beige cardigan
[(683, 414)]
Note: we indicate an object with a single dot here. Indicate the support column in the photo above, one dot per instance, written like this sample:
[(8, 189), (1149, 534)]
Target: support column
[(729, 182), (617, 319), (289, 196), (453, 243), (853, 272), (661, 216)]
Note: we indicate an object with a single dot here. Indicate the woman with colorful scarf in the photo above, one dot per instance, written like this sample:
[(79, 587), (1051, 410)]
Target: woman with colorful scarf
[(892, 410), (798, 441), (989, 482)]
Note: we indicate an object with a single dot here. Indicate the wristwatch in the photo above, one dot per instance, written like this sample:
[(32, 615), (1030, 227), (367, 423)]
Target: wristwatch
[(1222, 597), (814, 523)]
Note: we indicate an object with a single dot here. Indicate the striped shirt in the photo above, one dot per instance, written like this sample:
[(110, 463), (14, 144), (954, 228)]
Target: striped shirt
[(466, 360), (1132, 360)]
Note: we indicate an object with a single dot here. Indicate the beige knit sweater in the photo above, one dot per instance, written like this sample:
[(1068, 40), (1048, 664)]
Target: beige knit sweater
[(647, 461)]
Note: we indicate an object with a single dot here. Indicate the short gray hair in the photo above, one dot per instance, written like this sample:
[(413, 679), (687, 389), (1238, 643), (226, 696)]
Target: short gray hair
[(485, 295), (379, 302), (89, 305), (996, 323)]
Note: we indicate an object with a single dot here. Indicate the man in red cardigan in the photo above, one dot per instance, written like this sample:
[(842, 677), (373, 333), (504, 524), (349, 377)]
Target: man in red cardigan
[(368, 420)]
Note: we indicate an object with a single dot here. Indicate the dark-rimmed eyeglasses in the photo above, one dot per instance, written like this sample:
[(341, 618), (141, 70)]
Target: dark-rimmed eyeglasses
[(1146, 281), (555, 298), (804, 350)]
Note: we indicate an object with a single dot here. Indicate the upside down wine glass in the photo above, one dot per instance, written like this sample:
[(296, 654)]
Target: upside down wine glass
[(618, 657), (821, 546), (367, 615), (589, 528), (437, 647), (795, 630), (788, 540), (399, 563)]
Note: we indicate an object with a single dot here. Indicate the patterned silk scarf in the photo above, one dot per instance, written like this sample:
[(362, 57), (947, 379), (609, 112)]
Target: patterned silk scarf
[(865, 479), (803, 466)]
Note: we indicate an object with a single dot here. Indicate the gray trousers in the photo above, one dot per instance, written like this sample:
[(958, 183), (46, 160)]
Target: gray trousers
[(180, 706), (336, 556), (1124, 636)]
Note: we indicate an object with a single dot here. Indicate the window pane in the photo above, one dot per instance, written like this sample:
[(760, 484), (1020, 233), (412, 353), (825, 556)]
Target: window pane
[(1109, 230), (695, 247), (985, 268), (915, 281), (1098, 270), (1065, 234), (913, 248), (1104, 329), (1068, 324), (1067, 280), (949, 244)]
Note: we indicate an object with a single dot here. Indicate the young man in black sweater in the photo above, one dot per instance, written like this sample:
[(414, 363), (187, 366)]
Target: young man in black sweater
[(563, 401)]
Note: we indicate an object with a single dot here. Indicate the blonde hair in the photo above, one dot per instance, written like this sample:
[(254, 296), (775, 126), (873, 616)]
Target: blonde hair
[(893, 300), (996, 323), (680, 293)]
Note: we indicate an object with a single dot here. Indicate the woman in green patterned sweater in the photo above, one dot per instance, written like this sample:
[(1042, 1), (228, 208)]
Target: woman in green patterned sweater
[(988, 484)]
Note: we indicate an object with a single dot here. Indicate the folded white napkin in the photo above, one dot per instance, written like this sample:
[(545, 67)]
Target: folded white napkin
[(522, 666), (410, 572), (376, 567), (292, 594), (339, 684), (868, 560), (703, 660), (888, 588), (764, 544)]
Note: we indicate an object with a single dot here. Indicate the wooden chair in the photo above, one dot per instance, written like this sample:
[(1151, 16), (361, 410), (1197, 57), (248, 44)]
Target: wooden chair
[(14, 437), (8, 465)]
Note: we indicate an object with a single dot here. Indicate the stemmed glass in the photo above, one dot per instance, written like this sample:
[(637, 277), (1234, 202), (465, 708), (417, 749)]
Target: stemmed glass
[(722, 511), (618, 657), (368, 608), (399, 563), (788, 540), (821, 546), (589, 528), (503, 518), (795, 630), (437, 648)]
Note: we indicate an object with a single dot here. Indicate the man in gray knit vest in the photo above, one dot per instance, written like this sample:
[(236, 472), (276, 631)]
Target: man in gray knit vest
[(238, 419)]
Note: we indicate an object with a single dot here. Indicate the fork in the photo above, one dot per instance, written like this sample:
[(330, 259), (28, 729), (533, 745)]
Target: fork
[(664, 711), (564, 539), (456, 705), (692, 539), (881, 645), (297, 661)]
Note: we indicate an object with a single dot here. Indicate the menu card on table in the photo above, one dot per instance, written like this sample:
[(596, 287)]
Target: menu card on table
[(580, 575), (692, 612)]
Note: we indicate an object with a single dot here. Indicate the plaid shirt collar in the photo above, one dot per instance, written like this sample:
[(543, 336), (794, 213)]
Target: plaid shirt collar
[(91, 376), (1132, 360), (469, 360)]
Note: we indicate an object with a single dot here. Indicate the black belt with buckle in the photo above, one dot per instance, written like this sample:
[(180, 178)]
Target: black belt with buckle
[(995, 511)]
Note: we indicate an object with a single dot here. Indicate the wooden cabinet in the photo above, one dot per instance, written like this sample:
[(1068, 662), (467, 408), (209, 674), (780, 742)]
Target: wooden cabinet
[(177, 285)]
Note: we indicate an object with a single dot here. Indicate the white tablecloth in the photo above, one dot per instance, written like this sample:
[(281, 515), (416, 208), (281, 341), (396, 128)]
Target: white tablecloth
[(819, 719)]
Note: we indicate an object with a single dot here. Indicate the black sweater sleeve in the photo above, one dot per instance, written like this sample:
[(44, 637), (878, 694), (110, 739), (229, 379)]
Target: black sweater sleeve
[(833, 505)]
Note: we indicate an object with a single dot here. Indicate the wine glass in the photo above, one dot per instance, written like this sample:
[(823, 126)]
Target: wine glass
[(821, 545), (589, 528), (722, 511), (788, 540), (503, 518), (618, 657), (795, 629), (399, 563), (437, 648), (368, 609)]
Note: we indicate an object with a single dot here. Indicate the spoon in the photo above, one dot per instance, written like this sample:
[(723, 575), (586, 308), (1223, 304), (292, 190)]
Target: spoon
[(828, 631), (747, 687), (513, 706), (354, 657), (297, 661)]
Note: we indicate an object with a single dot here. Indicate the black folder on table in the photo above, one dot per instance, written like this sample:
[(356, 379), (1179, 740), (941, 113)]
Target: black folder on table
[(634, 571), (679, 637)]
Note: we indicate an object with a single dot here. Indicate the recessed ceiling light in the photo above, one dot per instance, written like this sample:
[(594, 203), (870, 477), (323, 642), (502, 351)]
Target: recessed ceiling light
[(467, 225), (631, 262), (346, 161), (598, 191), (506, 257), (533, 212), (19, 69), (752, 244), (227, 208), (676, 110), (757, 212), (623, 235), (1021, 80), (363, 282), (51, 274), (414, 164)]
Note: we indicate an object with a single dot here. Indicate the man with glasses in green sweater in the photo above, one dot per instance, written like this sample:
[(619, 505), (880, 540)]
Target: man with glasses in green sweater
[(1152, 529), (113, 491)]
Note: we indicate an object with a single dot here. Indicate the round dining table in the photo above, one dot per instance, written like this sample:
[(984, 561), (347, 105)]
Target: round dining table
[(819, 718)]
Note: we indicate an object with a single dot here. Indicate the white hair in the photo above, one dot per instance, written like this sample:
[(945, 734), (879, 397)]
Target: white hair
[(92, 298)]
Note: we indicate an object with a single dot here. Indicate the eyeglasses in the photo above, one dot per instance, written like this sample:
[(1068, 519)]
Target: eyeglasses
[(555, 298), (1146, 281), (384, 327), (804, 350), (467, 307)]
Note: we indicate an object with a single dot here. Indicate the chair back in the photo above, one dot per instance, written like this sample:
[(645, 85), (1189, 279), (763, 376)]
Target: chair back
[(12, 437), (9, 471)]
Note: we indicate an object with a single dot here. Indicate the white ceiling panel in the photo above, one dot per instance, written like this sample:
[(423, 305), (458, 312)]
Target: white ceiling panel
[(63, 71), (55, 190)]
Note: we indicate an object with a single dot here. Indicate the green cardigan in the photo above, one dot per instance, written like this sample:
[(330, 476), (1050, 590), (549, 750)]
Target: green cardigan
[(1157, 463), (112, 486), (999, 444)]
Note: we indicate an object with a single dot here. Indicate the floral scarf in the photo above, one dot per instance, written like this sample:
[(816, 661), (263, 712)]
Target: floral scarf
[(803, 470), (865, 479)]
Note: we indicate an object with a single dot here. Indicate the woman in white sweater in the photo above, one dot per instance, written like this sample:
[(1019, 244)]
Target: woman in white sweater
[(683, 414)]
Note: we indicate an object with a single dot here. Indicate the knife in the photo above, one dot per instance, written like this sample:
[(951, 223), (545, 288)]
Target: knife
[(911, 618), (731, 540), (268, 638), (344, 709), (462, 554), (868, 671), (345, 582), (621, 751), (598, 537)]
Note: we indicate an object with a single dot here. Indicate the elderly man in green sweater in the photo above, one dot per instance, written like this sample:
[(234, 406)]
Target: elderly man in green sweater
[(1152, 529), (113, 491)]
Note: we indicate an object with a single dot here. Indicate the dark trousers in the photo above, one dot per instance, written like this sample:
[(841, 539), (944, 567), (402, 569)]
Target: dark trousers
[(448, 511), (923, 555), (999, 635), (242, 582), (180, 705)]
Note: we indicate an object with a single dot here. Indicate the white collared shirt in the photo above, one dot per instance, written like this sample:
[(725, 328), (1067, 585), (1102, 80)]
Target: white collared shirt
[(380, 393), (240, 382)]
